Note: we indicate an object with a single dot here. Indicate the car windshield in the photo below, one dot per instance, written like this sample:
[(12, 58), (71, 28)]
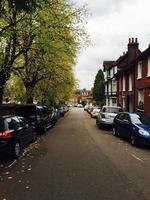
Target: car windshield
[(112, 110), (1, 125), (140, 119)]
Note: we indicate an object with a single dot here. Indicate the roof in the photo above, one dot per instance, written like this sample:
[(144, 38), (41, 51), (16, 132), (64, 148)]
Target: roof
[(142, 55), (107, 64)]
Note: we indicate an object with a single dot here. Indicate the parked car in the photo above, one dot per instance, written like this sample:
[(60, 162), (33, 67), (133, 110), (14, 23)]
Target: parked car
[(133, 126), (79, 105), (107, 115), (61, 111), (95, 112), (39, 116), (86, 107), (15, 133)]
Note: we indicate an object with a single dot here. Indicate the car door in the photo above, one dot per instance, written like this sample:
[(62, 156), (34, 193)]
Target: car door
[(125, 125), (119, 124), (27, 130)]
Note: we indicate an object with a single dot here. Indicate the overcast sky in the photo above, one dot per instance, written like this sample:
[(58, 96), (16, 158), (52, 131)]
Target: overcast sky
[(110, 25)]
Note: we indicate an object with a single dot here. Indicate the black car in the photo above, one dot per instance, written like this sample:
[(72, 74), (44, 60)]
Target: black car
[(39, 116), (15, 133)]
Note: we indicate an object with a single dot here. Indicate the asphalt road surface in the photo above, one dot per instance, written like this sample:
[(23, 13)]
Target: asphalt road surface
[(77, 161)]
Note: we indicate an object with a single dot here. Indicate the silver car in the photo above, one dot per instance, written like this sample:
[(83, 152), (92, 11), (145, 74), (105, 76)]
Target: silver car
[(107, 115), (95, 112)]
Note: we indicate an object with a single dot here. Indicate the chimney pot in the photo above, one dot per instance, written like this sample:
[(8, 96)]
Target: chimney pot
[(129, 40), (132, 40), (136, 40)]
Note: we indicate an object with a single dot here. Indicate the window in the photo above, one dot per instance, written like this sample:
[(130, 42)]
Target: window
[(130, 82), (106, 88), (109, 87), (111, 73), (23, 122), (120, 84), (141, 96), (148, 67), (139, 70), (114, 101), (13, 123), (124, 83), (114, 86), (115, 69), (141, 99)]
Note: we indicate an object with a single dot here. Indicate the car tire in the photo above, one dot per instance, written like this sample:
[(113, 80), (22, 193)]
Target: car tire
[(97, 123), (34, 137), (16, 150), (44, 129), (114, 133), (133, 140)]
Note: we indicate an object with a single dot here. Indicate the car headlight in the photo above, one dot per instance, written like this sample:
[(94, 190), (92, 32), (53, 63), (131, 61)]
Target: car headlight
[(143, 132)]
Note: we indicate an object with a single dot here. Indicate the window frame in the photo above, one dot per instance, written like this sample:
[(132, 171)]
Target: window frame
[(139, 70)]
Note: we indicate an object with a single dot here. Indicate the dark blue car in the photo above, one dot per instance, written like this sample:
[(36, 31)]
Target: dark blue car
[(133, 126)]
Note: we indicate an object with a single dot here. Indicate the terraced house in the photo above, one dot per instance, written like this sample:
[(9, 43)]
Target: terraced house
[(110, 70), (132, 75)]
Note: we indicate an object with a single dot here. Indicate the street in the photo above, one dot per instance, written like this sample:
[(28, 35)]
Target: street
[(77, 161)]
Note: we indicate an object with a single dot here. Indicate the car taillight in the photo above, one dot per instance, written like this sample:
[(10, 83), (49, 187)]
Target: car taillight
[(6, 134)]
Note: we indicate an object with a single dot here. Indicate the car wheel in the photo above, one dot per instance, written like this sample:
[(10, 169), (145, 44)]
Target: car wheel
[(44, 129), (16, 150), (114, 133), (97, 123), (133, 140), (34, 137)]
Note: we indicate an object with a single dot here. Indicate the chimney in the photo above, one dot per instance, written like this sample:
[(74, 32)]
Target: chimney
[(129, 40), (133, 46)]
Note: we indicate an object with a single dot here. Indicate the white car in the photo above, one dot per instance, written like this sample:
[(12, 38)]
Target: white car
[(79, 105), (95, 112), (107, 115)]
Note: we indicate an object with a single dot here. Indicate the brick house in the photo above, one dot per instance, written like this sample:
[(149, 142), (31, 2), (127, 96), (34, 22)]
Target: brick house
[(131, 71), (110, 69), (81, 95), (126, 76), (141, 67)]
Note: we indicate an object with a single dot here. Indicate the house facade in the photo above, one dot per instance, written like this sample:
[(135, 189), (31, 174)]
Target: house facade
[(110, 69), (142, 81), (126, 76), (131, 73)]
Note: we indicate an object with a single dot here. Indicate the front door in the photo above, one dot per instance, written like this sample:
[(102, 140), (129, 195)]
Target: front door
[(130, 103)]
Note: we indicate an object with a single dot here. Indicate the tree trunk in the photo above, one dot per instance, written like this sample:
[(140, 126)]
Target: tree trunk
[(29, 94), (1, 94)]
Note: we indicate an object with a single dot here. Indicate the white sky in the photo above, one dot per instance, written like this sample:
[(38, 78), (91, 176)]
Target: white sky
[(111, 24)]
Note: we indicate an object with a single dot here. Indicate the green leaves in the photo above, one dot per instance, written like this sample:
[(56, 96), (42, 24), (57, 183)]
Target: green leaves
[(48, 35)]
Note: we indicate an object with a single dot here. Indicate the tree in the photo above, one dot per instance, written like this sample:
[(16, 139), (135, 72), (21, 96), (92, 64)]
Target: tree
[(99, 88), (57, 37), (12, 13), (46, 45)]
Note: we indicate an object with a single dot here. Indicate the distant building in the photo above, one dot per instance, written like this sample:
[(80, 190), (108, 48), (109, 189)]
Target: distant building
[(80, 96)]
